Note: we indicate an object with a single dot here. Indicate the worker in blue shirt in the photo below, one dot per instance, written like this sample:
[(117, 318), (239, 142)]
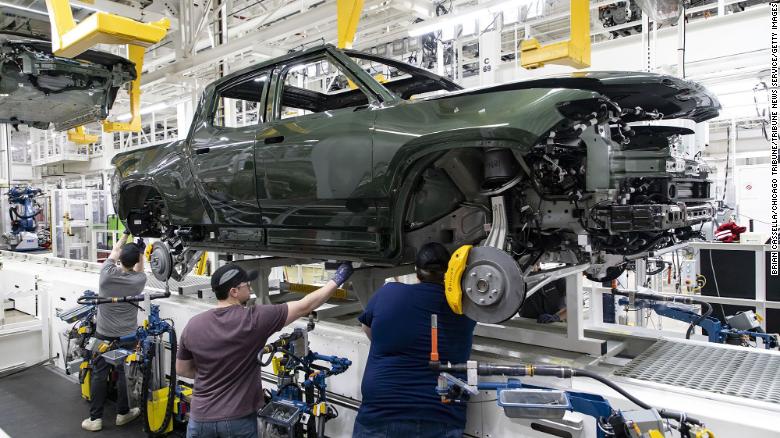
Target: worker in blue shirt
[(399, 388)]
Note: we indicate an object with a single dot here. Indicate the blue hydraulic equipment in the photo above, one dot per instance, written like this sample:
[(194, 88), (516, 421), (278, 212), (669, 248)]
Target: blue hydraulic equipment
[(299, 406), (23, 235), (523, 401), (143, 365), (716, 330)]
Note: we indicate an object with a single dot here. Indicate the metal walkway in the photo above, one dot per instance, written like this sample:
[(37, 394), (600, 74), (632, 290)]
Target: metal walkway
[(748, 373), (190, 281)]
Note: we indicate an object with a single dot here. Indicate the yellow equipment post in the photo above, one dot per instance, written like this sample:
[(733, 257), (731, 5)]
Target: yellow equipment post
[(348, 12), (136, 55), (575, 52), (200, 267), (69, 39)]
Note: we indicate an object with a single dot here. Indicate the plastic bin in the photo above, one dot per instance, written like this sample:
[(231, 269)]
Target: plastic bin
[(534, 403)]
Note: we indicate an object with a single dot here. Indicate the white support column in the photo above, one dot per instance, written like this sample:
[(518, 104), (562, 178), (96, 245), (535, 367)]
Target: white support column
[(681, 45), (43, 314), (5, 151), (574, 320), (729, 187), (760, 257), (648, 43), (640, 275), (183, 119), (153, 128), (489, 56), (439, 58)]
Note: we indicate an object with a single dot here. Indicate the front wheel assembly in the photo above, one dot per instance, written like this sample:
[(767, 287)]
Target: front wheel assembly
[(161, 261), (167, 264), (485, 283)]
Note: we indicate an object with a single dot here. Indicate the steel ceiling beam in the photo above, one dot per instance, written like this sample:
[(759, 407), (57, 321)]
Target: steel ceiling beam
[(283, 29), (111, 7)]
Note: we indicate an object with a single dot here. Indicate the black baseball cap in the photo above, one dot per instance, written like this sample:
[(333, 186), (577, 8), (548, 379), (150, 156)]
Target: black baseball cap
[(229, 276), (129, 254), (433, 256)]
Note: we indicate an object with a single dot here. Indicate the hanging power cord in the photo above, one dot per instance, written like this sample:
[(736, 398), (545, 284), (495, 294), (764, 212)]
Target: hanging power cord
[(717, 289), (147, 376), (728, 156)]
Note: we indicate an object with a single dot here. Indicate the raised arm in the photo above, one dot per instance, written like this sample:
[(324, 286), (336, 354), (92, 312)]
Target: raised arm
[(309, 303), (118, 247), (139, 267)]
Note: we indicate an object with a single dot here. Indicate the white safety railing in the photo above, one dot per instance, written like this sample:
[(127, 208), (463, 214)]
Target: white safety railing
[(50, 147), (155, 130)]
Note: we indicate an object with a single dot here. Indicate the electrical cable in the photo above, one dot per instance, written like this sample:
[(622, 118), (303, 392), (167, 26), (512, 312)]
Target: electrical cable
[(679, 416), (704, 314), (752, 218), (482, 401), (171, 389), (728, 154), (717, 289), (265, 363)]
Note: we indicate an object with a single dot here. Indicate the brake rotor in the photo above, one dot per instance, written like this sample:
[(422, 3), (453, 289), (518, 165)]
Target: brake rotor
[(493, 285), (161, 261)]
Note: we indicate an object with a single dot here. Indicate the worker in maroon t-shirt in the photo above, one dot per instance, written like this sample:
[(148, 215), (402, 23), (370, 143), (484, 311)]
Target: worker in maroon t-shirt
[(218, 348)]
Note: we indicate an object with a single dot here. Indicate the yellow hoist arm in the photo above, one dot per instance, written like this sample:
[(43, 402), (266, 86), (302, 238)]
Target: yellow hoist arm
[(136, 55), (348, 12), (575, 52), (69, 39), (79, 136)]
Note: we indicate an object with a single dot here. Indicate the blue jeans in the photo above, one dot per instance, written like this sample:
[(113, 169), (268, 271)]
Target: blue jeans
[(406, 429), (244, 427)]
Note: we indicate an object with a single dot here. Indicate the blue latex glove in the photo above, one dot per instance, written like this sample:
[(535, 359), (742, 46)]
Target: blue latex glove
[(343, 273), (547, 318)]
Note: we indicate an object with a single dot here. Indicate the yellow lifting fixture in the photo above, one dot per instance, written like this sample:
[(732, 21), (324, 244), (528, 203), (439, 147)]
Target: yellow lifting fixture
[(70, 39), (575, 52), (79, 136), (348, 12)]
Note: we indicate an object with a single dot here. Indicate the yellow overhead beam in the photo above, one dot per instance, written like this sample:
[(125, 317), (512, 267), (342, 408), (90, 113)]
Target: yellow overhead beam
[(79, 136), (575, 52), (348, 12), (69, 39)]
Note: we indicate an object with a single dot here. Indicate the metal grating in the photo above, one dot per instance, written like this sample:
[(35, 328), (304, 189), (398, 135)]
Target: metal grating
[(747, 373), (190, 280)]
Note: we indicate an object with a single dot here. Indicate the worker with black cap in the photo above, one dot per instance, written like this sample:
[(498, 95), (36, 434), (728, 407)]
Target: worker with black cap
[(122, 275), (218, 348), (399, 397)]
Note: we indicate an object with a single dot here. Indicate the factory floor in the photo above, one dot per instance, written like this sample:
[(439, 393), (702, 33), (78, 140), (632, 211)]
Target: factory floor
[(42, 402)]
